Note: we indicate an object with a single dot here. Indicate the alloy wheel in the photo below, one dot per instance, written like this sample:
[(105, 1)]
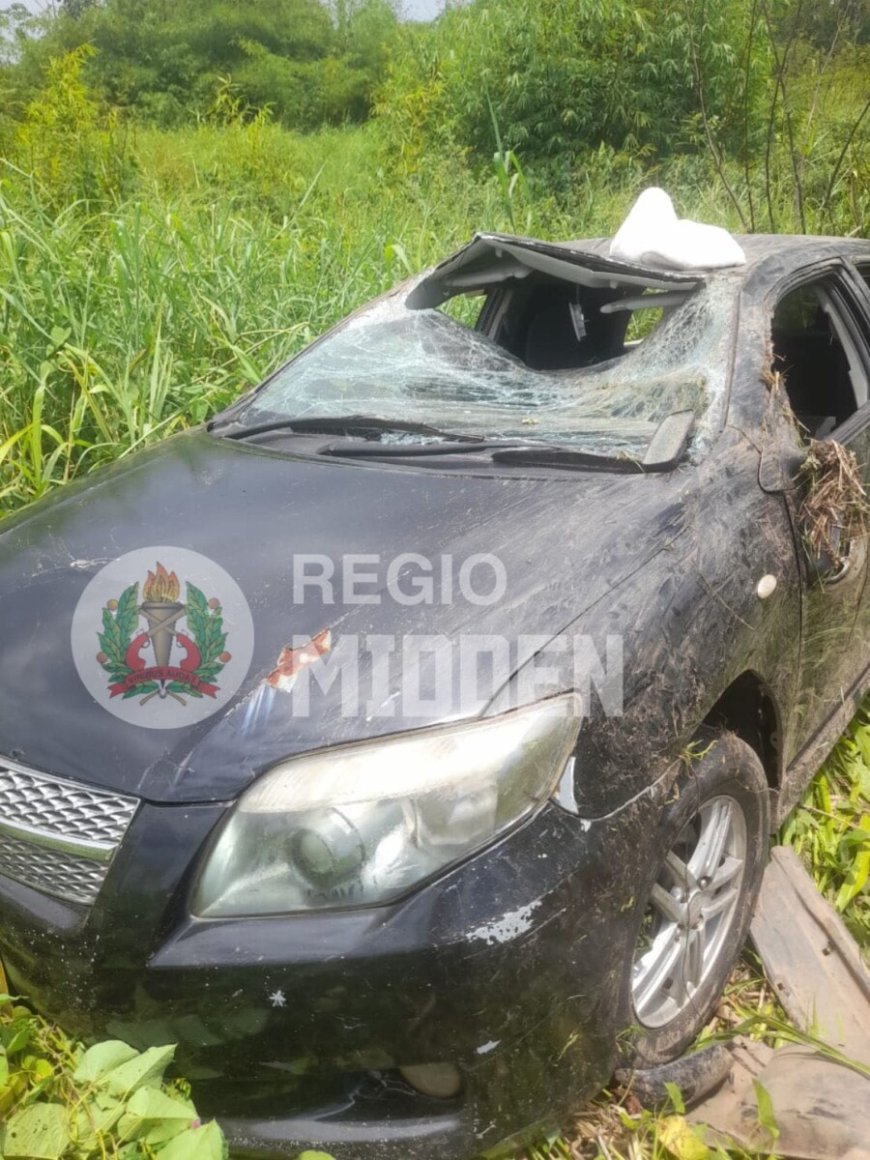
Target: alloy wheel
[(690, 911)]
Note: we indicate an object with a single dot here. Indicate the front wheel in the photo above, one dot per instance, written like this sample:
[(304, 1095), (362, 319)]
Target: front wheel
[(710, 855)]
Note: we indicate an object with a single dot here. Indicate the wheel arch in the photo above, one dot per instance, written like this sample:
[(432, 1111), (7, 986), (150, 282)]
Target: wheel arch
[(749, 709)]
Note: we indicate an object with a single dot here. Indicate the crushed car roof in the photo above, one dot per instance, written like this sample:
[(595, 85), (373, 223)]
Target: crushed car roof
[(491, 258)]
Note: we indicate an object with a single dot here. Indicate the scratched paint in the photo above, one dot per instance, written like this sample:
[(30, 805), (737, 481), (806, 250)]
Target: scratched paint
[(291, 661), (509, 926), (289, 664)]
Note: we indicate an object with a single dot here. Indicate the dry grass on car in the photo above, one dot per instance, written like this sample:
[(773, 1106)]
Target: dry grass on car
[(834, 510)]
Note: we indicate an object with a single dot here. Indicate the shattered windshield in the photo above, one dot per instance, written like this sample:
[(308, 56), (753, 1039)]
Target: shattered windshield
[(587, 369)]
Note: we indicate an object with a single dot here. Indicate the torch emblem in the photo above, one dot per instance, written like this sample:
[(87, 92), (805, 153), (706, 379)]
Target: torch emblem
[(161, 646)]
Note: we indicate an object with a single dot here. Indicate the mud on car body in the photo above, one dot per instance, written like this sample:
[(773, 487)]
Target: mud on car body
[(385, 897)]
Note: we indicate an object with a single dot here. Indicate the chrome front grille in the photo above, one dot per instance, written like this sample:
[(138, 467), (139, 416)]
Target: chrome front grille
[(57, 835), (55, 873)]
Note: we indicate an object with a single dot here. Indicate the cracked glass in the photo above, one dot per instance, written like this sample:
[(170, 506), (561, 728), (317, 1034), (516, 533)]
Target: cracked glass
[(424, 366)]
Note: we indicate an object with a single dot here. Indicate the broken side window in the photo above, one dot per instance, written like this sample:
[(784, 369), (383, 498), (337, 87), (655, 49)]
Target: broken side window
[(821, 368)]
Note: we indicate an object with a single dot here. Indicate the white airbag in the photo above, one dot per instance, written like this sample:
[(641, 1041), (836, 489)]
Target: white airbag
[(652, 232)]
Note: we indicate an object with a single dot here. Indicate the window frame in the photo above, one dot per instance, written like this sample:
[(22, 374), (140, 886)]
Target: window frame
[(850, 320)]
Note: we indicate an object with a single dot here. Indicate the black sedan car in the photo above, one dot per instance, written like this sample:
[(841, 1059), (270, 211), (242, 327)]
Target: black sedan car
[(404, 744)]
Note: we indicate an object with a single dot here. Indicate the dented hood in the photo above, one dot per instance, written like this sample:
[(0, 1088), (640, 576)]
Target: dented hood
[(253, 513)]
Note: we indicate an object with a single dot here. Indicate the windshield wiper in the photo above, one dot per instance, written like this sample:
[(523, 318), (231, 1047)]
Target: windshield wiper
[(356, 426), (557, 455), (664, 451), (464, 445)]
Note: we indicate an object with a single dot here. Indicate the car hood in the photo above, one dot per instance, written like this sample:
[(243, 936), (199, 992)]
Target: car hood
[(252, 513)]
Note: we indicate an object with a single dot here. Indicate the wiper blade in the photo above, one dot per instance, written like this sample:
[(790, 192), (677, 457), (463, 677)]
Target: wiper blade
[(556, 455), (361, 426), (664, 452), (465, 446)]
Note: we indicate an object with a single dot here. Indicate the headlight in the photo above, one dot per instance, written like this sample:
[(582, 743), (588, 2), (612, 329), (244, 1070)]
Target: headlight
[(360, 824)]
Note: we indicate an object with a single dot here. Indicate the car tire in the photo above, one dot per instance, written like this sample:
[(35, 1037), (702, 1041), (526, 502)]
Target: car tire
[(709, 856)]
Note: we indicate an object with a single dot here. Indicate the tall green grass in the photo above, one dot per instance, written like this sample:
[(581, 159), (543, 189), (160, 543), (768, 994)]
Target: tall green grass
[(147, 277), (121, 319), (119, 324)]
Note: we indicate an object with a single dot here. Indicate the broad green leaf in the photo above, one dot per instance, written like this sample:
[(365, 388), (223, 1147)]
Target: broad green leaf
[(40, 1132), (859, 870), (19, 1038), (681, 1139), (103, 1058), (156, 1117), (146, 1070), (676, 1098), (316, 1156), (766, 1116), (204, 1143)]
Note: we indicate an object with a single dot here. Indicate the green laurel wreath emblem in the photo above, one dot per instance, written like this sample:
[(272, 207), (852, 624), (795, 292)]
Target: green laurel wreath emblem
[(205, 628)]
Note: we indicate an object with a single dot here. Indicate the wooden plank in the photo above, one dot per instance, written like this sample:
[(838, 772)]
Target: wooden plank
[(811, 959)]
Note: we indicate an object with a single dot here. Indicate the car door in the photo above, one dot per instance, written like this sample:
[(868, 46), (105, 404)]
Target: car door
[(821, 344)]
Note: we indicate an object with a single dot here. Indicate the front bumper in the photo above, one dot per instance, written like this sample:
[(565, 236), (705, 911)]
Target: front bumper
[(293, 1028)]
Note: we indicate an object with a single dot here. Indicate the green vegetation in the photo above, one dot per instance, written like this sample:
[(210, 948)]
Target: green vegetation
[(59, 1100), (831, 828), (166, 236), (308, 62), (147, 273), (190, 192)]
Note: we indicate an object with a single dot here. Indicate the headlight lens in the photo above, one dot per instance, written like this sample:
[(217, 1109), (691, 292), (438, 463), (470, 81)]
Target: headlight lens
[(358, 825)]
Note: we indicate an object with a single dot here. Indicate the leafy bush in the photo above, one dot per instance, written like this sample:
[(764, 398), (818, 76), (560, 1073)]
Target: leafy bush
[(566, 75), (310, 61), (72, 149), (60, 1101)]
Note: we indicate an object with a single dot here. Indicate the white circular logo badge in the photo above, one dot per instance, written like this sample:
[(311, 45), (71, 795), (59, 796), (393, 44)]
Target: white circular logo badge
[(162, 637)]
